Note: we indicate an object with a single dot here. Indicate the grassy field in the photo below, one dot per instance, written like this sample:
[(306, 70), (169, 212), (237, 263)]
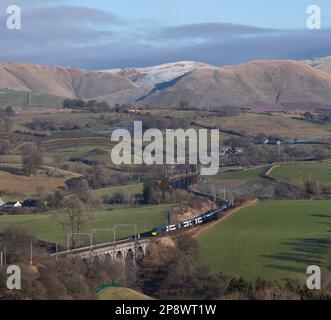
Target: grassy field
[(283, 126), (273, 240), (17, 98), (121, 294), (15, 161), (314, 172), (62, 144), (244, 175), (49, 227), (61, 116)]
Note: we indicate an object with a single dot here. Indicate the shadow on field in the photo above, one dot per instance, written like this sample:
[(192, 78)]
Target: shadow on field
[(14, 171), (321, 216), (286, 268), (302, 254)]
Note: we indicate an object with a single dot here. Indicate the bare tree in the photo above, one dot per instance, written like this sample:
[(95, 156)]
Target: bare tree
[(75, 217), (58, 162), (32, 159), (6, 124)]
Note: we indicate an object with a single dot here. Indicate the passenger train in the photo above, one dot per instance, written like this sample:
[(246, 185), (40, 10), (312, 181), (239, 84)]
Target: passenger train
[(202, 219)]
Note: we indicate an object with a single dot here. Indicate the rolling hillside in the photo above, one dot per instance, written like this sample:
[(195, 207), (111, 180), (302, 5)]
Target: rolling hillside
[(61, 82), (259, 85), (323, 64), (274, 240)]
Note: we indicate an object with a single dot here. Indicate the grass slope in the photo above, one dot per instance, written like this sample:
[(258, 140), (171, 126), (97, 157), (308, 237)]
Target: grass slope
[(320, 172), (121, 294), (273, 240)]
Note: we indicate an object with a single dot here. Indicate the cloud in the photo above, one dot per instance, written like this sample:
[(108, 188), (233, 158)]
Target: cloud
[(69, 15), (212, 30), (60, 34), (44, 28)]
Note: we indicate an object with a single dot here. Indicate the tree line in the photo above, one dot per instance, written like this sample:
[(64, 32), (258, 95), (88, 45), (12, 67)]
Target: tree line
[(88, 106)]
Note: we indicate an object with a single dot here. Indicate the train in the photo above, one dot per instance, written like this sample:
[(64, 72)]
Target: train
[(204, 218)]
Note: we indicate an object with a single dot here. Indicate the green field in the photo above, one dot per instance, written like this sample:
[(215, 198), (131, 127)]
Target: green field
[(244, 175), (274, 240), (280, 125), (18, 98), (49, 228), (295, 173)]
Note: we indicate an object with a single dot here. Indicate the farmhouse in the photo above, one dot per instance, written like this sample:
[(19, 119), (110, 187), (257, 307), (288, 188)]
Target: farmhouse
[(268, 141), (134, 110), (224, 150), (12, 205), (1, 202), (232, 151)]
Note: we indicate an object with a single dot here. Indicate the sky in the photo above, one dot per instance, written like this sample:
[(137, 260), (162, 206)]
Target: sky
[(103, 34)]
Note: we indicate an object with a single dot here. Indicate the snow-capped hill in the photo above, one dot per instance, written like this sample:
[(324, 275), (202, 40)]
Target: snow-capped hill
[(151, 76), (323, 64)]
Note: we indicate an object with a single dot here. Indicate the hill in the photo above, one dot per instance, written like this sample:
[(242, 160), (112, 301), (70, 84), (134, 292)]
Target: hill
[(305, 172), (61, 82), (151, 76), (259, 85), (323, 64), (121, 294)]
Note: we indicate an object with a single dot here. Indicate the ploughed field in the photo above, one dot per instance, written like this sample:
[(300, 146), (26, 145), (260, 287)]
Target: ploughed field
[(273, 240), (14, 181)]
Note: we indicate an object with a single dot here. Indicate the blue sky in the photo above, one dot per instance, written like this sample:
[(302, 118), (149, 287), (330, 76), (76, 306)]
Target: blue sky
[(262, 13), (103, 34)]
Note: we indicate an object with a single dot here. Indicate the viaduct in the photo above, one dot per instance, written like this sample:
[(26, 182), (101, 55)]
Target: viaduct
[(120, 251)]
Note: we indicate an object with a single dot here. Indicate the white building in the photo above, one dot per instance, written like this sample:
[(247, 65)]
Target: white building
[(12, 205), (17, 205)]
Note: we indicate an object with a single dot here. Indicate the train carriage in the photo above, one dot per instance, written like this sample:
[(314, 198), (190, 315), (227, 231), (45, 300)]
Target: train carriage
[(202, 219)]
